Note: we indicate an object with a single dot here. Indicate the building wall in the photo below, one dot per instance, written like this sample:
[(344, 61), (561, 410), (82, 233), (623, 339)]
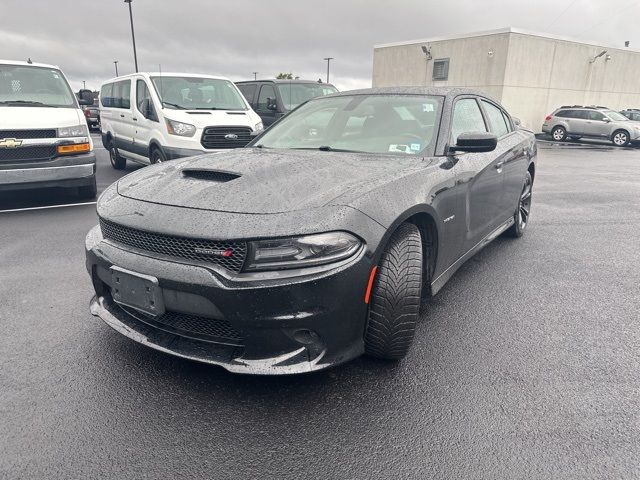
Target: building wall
[(470, 64), (531, 75)]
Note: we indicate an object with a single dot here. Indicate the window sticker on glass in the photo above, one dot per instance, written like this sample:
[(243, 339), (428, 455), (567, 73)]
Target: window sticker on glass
[(427, 107), (415, 147), (398, 148)]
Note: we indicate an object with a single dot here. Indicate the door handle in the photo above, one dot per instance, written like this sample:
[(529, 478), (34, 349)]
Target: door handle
[(499, 165), (121, 115), (135, 119)]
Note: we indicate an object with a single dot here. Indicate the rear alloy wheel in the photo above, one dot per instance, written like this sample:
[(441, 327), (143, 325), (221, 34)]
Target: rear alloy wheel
[(395, 298), (559, 134), (157, 156), (117, 161), (521, 217), (620, 138)]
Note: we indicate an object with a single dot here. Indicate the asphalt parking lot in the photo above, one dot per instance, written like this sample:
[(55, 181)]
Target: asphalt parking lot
[(524, 366)]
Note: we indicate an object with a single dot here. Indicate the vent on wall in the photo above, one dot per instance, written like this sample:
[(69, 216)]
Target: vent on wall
[(441, 69), (210, 175)]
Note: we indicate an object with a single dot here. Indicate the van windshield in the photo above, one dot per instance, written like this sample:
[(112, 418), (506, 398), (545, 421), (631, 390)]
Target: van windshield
[(24, 85), (293, 94), (193, 93)]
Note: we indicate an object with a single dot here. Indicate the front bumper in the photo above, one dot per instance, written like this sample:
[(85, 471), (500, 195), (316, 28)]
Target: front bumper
[(76, 170), (284, 325)]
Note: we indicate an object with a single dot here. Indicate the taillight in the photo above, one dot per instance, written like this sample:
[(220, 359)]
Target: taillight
[(87, 113), (547, 118)]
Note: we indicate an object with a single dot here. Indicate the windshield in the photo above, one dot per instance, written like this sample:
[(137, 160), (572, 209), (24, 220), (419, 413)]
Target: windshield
[(615, 115), (293, 94), (23, 85), (193, 93), (401, 124)]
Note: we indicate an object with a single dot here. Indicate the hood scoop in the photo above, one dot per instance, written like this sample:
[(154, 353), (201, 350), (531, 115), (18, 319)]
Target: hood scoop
[(217, 176)]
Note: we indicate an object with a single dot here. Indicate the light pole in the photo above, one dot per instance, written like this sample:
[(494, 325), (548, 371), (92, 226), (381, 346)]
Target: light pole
[(133, 35), (255, 75), (84, 85), (328, 59), (115, 62)]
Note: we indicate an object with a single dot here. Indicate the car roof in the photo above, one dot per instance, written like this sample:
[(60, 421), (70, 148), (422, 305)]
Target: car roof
[(431, 91), (165, 74), (27, 64), (276, 80)]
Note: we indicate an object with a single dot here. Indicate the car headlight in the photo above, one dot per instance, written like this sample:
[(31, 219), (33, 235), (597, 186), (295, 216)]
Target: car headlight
[(258, 126), (75, 131), (299, 252), (179, 128)]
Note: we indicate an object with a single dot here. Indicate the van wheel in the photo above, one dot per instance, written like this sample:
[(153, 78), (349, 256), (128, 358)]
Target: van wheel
[(620, 138), (395, 299), (157, 156), (89, 191), (117, 161)]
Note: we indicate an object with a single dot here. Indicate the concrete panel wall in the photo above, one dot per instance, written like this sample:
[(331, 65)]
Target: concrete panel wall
[(531, 75)]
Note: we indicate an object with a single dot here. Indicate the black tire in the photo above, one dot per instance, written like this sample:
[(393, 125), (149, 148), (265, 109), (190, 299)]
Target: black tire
[(620, 138), (558, 133), (523, 210), (117, 161), (89, 191), (395, 299), (157, 156)]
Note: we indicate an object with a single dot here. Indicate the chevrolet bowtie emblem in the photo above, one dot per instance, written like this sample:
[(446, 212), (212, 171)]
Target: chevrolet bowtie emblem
[(10, 143)]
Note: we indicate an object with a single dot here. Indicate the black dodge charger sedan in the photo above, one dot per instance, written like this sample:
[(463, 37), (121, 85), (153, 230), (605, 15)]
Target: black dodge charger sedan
[(317, 242)]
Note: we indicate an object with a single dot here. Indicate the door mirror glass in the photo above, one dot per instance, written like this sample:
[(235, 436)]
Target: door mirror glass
[(475, 142)]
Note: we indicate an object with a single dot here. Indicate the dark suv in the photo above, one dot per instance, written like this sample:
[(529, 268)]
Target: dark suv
[(577, 121), (272, 99), (632, 114)]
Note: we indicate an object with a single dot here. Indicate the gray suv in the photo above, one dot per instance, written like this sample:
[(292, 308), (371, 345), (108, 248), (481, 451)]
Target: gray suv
[(593, 122)]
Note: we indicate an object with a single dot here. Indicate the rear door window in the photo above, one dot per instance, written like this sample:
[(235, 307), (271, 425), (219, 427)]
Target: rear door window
[(496, 119), (106, 96)]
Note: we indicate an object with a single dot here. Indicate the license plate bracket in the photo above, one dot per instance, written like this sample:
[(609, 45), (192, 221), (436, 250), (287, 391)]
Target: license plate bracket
[(137, 291)]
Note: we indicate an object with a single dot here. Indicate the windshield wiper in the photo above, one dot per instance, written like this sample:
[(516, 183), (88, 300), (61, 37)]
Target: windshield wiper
[(25, 102), (179, 107), (327, 148)]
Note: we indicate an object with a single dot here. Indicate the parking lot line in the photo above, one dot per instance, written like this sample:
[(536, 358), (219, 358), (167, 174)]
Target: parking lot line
[(47, 206)]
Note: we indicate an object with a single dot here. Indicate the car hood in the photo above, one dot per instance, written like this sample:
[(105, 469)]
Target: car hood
[(263, 181), (19, 118)]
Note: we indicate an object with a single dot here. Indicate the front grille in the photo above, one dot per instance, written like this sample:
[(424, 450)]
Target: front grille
[(33, 152), (210, 175), (25, 134), (214, 137), (195, 249), (192, 325)]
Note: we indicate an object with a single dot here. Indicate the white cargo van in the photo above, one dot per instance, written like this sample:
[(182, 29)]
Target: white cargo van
[(44, 139), (153, 117)]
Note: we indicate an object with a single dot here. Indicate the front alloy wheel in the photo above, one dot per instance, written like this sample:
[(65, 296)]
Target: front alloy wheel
[(559, 134), (620, 138), (521, 216)]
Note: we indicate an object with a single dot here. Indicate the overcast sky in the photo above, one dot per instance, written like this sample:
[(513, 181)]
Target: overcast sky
[(234, 38)]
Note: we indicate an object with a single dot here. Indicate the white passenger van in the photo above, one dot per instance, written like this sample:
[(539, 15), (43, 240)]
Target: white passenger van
[(44, 139), (153, 117)]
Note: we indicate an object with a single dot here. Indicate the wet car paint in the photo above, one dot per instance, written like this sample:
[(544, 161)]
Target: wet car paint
[(287, 193)]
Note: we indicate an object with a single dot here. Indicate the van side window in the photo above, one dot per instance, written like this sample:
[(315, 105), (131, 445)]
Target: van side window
[(123, 97), (248, 90), (267, 97), (142, 94), (106, 96)]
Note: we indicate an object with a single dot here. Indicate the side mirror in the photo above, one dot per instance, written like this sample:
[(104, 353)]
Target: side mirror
[(85, 97), (271, 104), (475, 142), (606, 119)]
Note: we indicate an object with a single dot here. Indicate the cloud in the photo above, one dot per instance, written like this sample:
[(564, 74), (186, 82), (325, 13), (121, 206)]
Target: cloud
[(239, 37)]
